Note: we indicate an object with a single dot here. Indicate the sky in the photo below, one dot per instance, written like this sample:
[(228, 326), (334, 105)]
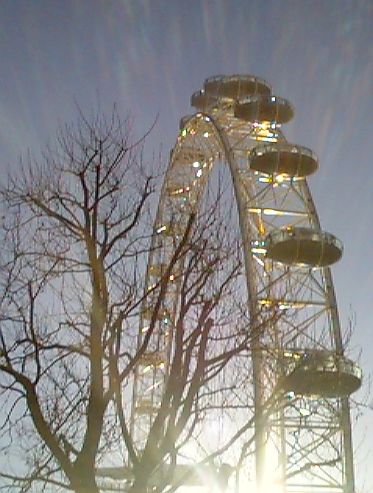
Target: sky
[(149, 56)]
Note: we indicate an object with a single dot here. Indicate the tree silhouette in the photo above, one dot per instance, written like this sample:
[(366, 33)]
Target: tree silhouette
[(76, 233)]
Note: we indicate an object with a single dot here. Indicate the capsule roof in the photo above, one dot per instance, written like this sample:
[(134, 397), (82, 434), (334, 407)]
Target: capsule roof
[(236, 86)]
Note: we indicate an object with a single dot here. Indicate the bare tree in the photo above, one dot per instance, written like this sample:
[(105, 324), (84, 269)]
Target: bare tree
[(76, 235)]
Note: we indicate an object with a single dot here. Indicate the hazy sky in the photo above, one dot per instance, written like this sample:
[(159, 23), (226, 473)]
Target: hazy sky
[(148, 56)]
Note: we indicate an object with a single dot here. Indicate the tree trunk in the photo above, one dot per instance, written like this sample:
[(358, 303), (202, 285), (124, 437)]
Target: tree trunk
[(85, 481)]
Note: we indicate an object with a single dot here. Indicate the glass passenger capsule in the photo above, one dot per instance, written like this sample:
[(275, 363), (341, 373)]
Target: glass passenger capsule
[(203, 101), (259, 108), (306, 246), (283, 158), (320, 373)]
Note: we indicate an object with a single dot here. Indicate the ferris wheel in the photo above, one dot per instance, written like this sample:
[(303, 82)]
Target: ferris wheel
[(303, 443)]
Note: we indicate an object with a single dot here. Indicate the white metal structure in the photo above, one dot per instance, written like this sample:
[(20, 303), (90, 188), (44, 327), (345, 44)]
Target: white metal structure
[(304, 444)]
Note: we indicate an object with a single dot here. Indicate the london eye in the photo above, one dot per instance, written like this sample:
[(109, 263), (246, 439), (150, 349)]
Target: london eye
[(303, 443)]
